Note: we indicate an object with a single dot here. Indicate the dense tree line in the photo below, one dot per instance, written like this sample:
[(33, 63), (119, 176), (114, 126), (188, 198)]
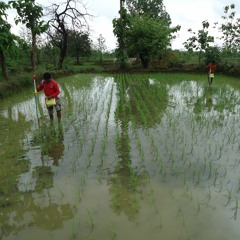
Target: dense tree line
[(144, 30), (63, 30)]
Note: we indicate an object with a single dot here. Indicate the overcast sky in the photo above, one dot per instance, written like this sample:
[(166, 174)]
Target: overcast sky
[(187, 13)]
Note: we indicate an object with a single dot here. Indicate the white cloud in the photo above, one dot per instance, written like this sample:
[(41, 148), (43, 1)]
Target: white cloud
[(104, 12), (191, 14), (103, 26)]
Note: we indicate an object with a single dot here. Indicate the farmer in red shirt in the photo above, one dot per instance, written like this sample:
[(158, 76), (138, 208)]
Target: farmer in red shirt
[(211, 70), (51, 90)]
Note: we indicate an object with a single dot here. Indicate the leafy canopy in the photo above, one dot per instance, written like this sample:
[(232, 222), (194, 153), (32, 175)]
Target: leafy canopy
[(147, 38), (30, 15), (6, 37)]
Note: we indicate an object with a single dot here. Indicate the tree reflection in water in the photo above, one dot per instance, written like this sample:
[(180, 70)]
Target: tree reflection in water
[(127, 181)]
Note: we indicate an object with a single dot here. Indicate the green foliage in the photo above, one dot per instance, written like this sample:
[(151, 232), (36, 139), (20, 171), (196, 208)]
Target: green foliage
[(30, 15), (50, 54), (212, 54), (101, 46), (147, 38), (199, 41), (230, 30), (119, 30), (143, 30), (6, 38), (79, 44), (155, 9)]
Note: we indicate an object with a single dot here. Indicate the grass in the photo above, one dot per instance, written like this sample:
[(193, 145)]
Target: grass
[(87, 68)]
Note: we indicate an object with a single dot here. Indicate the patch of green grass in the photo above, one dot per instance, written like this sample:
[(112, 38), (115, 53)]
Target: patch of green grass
[(94, 68)]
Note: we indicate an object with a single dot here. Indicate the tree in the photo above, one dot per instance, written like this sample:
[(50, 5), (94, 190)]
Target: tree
[(51, 55), (30, 15), (63, 17), (26, 39), (199, 41), (6, 38), (79, 44), (230, 30), (137, 26), (155, 9), (101, 46), (119, 29), (212, 54), (147, 38)]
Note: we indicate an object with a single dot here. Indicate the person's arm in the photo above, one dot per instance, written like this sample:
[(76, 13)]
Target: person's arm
[(40, 87), (209, 68), (57, 90)]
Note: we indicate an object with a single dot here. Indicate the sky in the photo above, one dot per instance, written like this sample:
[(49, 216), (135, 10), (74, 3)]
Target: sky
[(186, 13)]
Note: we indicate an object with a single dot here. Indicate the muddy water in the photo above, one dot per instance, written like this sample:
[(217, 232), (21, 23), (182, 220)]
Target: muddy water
[(135, 157)]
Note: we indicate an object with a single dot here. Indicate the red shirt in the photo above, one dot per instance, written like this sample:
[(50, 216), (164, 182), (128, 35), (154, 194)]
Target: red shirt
[(51, 89), (212, 68)]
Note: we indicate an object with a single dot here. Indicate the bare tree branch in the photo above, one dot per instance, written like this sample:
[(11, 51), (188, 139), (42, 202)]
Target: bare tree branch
[(71, 14)]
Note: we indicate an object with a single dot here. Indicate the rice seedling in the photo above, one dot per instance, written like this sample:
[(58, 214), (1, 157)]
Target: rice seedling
[(75, 228), (210, 169), (215, 176), (90, 221), (113, 231), (229, 196), (235, 209)]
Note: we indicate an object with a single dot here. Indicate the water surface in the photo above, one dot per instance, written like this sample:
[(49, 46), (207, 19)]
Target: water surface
[(135, 157)]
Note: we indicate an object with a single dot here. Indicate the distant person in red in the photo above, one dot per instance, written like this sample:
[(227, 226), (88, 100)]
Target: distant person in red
[(211, 70), (51, 90)]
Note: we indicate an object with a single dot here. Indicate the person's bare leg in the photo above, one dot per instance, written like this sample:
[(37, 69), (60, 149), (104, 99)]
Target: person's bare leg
[(59, 116)]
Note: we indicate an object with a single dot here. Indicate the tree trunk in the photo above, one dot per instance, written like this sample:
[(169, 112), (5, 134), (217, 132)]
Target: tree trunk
[(78, 62), (33, 52), (63, 51), (3, 65), (144, 61), (121, 43)]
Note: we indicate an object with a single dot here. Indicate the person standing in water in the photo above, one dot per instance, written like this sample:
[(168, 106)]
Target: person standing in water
[(211, 71), (52, 91)]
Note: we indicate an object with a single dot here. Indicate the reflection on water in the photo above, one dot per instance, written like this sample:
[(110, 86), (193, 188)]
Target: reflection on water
[(133, 154)]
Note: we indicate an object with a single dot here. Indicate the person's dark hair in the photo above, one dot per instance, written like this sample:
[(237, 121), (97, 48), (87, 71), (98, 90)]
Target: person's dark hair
[(47, 76)]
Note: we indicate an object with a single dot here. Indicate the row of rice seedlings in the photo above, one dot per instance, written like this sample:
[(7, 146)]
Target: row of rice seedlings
[(122, 113), (95, 121), (106, 114), (141, 100), (87, 111), (98, 116), (109, 105), (140, 105), (99, 124), (116, 191)]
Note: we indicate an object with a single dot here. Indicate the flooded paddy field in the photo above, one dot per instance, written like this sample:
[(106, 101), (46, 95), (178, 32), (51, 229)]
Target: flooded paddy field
[(135, 157)]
